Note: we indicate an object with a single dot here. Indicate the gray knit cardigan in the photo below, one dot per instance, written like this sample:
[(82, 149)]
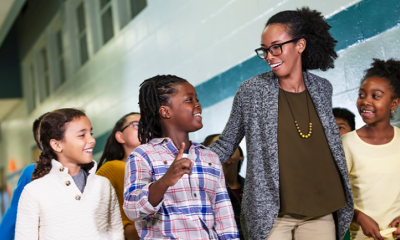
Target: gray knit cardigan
[(254, 115)]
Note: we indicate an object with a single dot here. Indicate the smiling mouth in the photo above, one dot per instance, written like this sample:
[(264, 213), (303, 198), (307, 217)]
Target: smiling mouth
[(197, 115), (275, 65), (366, 111), (89, 150)]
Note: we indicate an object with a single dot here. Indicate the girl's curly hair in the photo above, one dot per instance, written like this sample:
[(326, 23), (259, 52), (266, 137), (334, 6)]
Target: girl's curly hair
[(53, 126), (311, 26), (389, 70)]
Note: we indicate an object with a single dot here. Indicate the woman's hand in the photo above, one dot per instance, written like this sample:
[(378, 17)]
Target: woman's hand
[(178, 168), (368, 225), (396, 224)]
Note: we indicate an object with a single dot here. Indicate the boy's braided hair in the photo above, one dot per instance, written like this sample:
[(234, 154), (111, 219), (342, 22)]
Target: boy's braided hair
[(154, 93)]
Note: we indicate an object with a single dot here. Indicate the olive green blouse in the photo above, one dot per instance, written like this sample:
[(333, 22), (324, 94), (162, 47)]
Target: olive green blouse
[(310, 183)]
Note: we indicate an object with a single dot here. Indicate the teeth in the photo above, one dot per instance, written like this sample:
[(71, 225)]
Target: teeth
[(198, 115), (275, 65), (89, 150), (365, 111)]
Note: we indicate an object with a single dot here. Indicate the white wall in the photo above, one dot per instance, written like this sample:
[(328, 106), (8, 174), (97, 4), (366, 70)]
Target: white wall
[(195, 40)]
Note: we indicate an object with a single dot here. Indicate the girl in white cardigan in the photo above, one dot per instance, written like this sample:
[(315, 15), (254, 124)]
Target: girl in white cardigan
[(66, 199)]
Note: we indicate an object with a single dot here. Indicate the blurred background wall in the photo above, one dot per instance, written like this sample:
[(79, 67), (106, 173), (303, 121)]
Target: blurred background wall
[(93, 54)]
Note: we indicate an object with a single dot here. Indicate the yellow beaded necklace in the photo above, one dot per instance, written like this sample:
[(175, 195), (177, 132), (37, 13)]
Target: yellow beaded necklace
[(295, 122)]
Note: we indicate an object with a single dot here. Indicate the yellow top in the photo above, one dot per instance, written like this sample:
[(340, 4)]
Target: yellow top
[(374, 174), (114, 171)]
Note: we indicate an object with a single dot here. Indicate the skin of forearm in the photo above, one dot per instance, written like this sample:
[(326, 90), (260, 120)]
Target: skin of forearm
[(130, 233), (157, 191), (356, 214)]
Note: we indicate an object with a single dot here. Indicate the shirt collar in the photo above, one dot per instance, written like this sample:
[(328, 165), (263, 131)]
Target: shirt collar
[(170, 144), (56, 167)]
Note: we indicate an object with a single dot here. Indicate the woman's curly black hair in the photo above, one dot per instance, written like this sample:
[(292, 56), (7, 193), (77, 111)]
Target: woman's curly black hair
[(53, 126), (389, 70), (154, 93), (113, 149), (310, 25)]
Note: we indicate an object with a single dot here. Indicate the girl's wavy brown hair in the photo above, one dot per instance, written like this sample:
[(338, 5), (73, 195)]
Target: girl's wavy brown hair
[(53, 126)]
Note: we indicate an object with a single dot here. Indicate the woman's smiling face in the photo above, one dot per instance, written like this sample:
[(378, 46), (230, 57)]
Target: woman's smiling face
[(290, 58)]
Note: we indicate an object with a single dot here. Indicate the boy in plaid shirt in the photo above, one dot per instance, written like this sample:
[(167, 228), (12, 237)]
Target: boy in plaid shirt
[(174, 193)]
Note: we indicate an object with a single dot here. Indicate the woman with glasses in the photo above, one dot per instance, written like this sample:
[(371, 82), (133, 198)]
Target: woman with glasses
[(121, 142), (297, 184)]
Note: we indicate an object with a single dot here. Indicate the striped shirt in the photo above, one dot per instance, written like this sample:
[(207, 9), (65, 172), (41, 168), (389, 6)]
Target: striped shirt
[(196, 207)]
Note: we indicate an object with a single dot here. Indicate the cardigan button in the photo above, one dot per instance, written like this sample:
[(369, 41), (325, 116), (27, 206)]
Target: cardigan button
[(209, 164), (77, 197), (67, 183), (165, 162), (61, 169)]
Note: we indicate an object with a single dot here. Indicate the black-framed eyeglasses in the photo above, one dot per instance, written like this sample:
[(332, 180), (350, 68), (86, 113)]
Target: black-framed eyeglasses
[(134, 124), (274, 49)]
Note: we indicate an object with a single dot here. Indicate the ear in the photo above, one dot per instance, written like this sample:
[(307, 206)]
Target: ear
[(301, 45), (119, 138), (165, 112), (395, 103), (56, 146)]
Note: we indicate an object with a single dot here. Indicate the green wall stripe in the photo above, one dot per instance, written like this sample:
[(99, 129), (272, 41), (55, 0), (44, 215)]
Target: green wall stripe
[(357, 23), (101, 143)]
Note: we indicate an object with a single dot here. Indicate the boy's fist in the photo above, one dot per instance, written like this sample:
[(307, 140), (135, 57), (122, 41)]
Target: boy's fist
[(178, 168)]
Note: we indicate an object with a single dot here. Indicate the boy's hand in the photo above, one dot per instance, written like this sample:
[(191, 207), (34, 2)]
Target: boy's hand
[(178, 168), (369, 226), (396, 224)]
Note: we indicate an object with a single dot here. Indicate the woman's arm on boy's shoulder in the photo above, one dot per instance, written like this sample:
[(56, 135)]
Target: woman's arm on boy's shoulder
[(27, 226), (225, 224), (233, 133), (116, 228), (7, 225)]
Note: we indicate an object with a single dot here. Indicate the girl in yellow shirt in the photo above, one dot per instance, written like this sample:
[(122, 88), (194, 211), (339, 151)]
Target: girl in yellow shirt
[(373, 155), (121, 142)]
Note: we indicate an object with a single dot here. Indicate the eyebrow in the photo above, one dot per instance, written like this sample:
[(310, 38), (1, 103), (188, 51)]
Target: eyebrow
[(342, 124), (274, 42), (84, 130), (378, 90)]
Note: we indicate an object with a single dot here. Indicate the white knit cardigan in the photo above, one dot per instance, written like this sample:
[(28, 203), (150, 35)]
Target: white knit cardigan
[(52, 207)]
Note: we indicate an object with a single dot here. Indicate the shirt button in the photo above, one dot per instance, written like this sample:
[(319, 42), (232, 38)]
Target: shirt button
[(61, 169), (195, 195), (165, 162), (77, 197), (209, 164), (67, 183)]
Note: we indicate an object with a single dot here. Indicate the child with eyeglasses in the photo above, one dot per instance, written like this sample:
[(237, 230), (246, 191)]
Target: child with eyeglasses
[(121, 142)]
